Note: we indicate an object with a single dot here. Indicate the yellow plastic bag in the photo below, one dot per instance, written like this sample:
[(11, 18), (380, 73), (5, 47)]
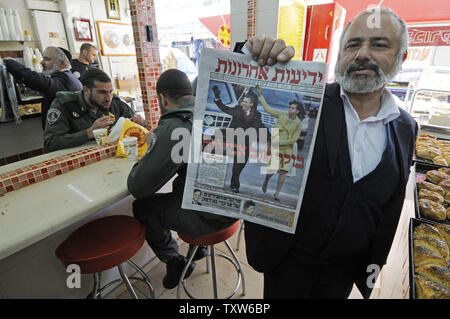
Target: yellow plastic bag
[(132, 129)]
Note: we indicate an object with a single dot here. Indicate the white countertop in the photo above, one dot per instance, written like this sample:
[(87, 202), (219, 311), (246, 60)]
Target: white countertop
[(34, 212)]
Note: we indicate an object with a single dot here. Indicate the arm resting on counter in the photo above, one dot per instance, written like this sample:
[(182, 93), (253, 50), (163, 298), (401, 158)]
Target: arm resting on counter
[(156, 168), (58, 136)]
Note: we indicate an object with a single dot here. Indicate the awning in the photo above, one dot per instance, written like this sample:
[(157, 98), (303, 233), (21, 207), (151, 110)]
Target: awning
[(218, 26)]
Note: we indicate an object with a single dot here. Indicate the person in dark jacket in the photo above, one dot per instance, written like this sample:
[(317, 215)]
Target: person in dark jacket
[(359, 169), (244, 116), (74, 115), (88, 55), (162, 212), (56, 76)]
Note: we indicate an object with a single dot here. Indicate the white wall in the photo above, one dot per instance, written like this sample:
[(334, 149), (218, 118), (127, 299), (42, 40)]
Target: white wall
[(27, 23), (266, 19)]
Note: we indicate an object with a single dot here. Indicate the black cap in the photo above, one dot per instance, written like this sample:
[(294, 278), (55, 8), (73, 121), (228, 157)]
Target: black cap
[(67, 53), (174, 82), (96, 74)]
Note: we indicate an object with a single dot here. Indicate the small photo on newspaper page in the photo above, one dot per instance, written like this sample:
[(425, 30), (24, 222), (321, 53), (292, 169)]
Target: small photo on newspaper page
[(252, 137)]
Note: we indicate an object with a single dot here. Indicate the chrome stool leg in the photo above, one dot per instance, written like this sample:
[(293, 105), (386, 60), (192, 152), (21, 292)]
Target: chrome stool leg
[(144, 278), (235, 263), (96, 289), (127, 282), (238, 265), (239, 234), (213, 266)]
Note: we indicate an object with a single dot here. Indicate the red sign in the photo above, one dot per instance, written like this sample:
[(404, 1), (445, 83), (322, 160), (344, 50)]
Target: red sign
[(429, 36)]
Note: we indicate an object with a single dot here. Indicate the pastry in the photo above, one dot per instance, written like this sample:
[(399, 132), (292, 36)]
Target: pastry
[(427, 194), (445, 185), (440, 160), (437, 273), (439, 247), (432, 209), (427, 289), (435, 176), (442, 143), (431, 187), (427, 137), (424, 256), (426, 230), (445, 170), (428, 152), (447, 200), (444, 230), (448, 213)]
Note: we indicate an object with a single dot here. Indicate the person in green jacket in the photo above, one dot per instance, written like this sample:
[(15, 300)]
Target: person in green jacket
[(74, 115), (286, 132)]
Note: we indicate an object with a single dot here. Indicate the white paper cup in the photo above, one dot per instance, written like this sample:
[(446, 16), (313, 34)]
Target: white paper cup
[(100, 134), (131, 147)]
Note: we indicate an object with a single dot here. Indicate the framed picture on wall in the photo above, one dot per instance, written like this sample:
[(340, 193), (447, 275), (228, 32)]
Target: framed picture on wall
[(116, 39), (82, 29), (112, 9)]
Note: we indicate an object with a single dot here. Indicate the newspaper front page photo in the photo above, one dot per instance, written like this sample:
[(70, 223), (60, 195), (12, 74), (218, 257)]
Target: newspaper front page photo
[(252, 138)]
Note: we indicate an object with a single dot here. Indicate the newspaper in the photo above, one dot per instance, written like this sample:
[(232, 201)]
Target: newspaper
[(253, 164)]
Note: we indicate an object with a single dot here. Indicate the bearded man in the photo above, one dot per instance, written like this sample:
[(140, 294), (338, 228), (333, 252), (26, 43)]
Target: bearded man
[(73, 116), (55, 77), (358, 174)]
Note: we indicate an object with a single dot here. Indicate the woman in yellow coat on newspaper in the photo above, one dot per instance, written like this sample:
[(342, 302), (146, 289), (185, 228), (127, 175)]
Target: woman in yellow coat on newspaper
[(286, 132)]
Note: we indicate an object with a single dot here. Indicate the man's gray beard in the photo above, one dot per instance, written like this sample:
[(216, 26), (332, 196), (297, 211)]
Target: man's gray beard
[(364, 83), (49, 72)]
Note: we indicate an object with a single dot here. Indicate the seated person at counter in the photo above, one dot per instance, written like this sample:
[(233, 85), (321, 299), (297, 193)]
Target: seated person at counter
[(161, 213), (74, 115), (88, 54), (56, 76)]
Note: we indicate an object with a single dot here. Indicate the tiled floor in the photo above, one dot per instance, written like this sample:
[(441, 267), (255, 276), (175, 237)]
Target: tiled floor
[(199, 283)]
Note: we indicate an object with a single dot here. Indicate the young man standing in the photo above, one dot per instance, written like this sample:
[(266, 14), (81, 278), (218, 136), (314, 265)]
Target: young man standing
[(88, 55)]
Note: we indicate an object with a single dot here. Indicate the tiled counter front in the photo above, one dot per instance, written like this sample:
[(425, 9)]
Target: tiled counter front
[(38, 172)]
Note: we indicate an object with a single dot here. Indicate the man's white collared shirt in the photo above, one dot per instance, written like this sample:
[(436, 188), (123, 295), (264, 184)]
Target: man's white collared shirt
[(367, 138)]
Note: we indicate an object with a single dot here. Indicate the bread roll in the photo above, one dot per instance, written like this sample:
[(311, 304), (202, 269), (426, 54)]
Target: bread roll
[(426, 230), (427, 194), (442, 143), (440, 160), (445, 170), (424, 256), (432, 210), (439, 247), (445, 185), (438, 274), (444, 230), (431, 187), (427, 137), (427, 289), (448, 213), (435, 176), (428, 152), (447, 200)]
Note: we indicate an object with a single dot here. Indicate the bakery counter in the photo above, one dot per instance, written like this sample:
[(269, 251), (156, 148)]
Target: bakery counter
[(32, 213)]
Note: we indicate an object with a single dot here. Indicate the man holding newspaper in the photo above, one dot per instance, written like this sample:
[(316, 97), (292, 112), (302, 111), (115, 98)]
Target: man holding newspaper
[(359, 170)]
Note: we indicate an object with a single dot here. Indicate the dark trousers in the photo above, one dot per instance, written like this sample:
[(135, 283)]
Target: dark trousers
[(161, 213), (293, 279), (239, 164)]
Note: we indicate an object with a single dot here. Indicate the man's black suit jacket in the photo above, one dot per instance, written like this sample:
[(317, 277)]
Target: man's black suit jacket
[(266, 247)]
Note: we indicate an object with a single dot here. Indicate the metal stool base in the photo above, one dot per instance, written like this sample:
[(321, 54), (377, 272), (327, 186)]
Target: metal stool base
[(96, 292), (212, 256)]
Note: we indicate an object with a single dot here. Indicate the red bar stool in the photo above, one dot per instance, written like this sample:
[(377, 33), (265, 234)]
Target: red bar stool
[(102, 244), (211, 240)]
